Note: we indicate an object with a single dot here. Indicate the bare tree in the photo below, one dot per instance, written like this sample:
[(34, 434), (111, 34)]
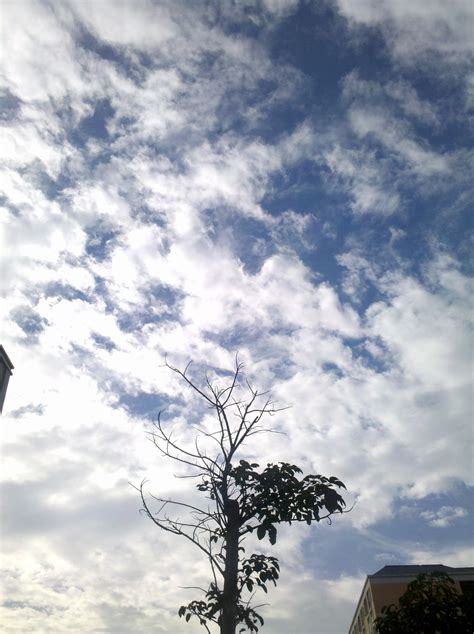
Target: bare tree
[(242, 499)]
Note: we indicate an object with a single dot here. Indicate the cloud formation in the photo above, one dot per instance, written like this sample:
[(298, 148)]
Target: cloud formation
[(194, 179)]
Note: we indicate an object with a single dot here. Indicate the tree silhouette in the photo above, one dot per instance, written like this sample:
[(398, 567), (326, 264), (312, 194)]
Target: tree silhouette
[(430, 605), (243, 498)]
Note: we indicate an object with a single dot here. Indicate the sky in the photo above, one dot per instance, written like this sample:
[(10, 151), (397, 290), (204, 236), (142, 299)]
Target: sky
[(285, 179)]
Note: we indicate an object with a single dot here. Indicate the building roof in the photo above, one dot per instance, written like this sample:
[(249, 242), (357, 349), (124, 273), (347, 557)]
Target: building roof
[(414, 570), (6, 359)]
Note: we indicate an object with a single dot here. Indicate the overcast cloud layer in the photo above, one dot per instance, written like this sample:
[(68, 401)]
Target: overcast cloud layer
[(290, 180)]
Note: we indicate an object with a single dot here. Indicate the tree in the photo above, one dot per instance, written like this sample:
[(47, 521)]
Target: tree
[(430, 605), (243, 498)]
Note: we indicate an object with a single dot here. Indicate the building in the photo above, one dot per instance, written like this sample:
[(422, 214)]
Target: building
[(388, 584), (6, 367)]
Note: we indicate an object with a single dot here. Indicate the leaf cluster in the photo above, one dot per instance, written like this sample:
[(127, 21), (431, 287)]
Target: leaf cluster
[(276, 494), (211, 611), (257, 570)]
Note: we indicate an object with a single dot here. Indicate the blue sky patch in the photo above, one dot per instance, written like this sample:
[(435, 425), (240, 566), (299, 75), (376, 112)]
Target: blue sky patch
[(29, 320)]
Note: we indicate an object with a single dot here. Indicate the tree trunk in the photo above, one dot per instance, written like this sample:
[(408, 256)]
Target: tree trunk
[(230, 594)]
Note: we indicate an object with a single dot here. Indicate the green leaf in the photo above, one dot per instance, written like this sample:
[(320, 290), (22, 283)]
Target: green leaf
[(272, 534)]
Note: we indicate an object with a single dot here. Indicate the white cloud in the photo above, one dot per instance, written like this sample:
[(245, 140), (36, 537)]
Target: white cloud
[(280, 7), (367, 180), (142, 25), (455, 557), (386, 149), (406, 96), (301, 601), (33, 68), (26, 142), (415, 30), (359, 271), (404, 427), (444, 516), (389, 132), (411, 323)]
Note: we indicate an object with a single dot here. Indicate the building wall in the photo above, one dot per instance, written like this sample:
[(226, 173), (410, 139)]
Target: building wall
[(363, 622), (387, 593)]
